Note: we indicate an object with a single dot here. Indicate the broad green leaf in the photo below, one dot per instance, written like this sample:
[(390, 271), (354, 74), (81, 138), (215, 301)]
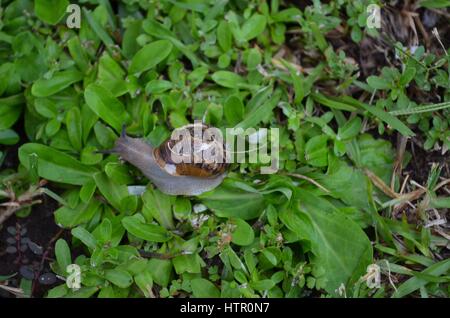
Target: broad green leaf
[(259, 112), (337, 179), (161, 270), (233, 110), (159, 206), (224, 36), (242, 234), (350, 130), (55, 165), (60, 80), (407, 76), (377, 82), (119, 277), (187, 264), (231, 200), (106, 106), (115, 193), (50, 11), (8, 137), (203, 288), (148, 232), (111, 75), (74, 127), (10, 110), (62, 253), (84, 236), (149, 56), (339, 245), (316, 151), (253, 27), (144, 281), (264, 284), (118, 173), (228, 79)]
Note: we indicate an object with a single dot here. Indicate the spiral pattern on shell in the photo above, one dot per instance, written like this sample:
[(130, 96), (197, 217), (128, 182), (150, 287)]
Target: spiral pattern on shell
[(193, 150)]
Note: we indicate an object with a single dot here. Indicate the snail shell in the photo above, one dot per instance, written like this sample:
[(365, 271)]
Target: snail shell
[(173, 171)]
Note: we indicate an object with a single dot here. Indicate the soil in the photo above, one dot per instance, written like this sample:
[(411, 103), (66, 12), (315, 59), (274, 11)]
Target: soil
[(41, 230)]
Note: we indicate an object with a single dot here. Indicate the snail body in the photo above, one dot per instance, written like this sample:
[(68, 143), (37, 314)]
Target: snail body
[(169, 175)]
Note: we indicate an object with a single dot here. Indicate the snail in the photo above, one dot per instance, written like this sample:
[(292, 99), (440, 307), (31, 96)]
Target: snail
[(173, 170)]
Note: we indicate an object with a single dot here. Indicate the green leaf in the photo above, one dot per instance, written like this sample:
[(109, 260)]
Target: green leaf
[(84, 236), (111, 75), (434, 4), (161, 270), (414, 283), (8, 137), (106, 106), (83, 292), (103, 232), (159, 206), (55, 165), (234, 199), (119, 277), (339, 245), (262, 285), (350, 130), (243, 234), (407, 76), (148, 232), (203, 288), (187, 264), (118, 173), (377, 82), (69, 217), (98, 29), (384, 116), (228, 79), (149, 56), (224, 36), (144, 281), (62, 253), (113, 192), (87, 191), (259, 112), (10, 110), (253, 27), (50, 11), (60, 80), (74, 127), (233, 110), (316, 151)]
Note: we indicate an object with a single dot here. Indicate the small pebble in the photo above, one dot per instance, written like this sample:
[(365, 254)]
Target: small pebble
[(23, 231), (11, 230), (47, 279), (36, 249), (11, 250), (11, 240), (26, 272)]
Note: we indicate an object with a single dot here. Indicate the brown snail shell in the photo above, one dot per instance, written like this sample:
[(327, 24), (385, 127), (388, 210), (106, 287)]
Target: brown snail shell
[(172, 176), (194, 163)]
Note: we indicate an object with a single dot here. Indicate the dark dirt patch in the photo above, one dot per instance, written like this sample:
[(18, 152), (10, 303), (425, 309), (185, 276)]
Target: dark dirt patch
[(41, 230)]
